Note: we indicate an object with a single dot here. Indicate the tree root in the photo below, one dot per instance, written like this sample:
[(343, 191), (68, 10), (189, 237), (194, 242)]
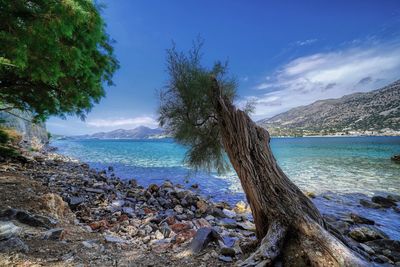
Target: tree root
[(270, 247)]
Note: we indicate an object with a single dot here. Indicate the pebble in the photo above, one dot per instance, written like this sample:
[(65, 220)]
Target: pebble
[(8, 230)]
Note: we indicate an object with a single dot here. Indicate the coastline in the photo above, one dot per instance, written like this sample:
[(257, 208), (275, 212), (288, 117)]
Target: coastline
[(124, 222)]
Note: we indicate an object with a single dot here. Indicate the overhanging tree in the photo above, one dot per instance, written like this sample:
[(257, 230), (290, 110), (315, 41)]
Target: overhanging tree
[(55, 56), (197, 108)]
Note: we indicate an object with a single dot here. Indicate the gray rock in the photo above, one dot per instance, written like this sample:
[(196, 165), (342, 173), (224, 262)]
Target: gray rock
[(386, 244), (369, 204), (8, 230), (384, 202), (114, 239), (229, 213), (34, 220), (13, 244), (225, 258), (366, 233), (74, 202), (247, 225), (54, 234), (227, 251), (165, 230), (128, 211), (202, 238), (359, 219), (395, 198), (95, 190), (228, 223)]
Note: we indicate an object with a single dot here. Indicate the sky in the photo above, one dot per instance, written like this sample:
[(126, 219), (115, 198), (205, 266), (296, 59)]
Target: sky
[(283, 53)]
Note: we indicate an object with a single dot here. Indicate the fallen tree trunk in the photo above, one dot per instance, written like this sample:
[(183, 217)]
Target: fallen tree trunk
[(287, 222)]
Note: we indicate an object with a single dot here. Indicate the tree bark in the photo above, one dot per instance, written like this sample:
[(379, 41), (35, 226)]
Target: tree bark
[(281, 212)]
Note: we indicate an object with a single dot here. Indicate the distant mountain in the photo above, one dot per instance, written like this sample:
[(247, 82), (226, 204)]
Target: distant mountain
[(141, 132), (373, 113)]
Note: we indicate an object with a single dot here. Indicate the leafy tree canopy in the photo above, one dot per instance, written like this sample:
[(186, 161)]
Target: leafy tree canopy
[(186, 107), (55, 56)]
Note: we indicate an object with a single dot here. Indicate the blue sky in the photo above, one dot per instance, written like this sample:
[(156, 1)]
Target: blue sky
[(283, 53)]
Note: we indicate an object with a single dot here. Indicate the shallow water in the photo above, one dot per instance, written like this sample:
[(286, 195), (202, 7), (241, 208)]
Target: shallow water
[(345, 168)]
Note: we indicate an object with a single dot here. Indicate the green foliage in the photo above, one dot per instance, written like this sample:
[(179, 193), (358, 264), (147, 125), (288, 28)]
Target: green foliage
[(186, 107), (55, 56), (49, 135)]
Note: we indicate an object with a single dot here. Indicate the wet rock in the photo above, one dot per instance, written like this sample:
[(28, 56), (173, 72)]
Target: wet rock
[(342, 226), (8, 230), (54, 234), (384, 202), (225, 258), (310, 194), (367, 249), (153, 188), (202, 238), (394, 198), (359, 219), (366, 233), (13, 244), (229, 213), (392, 246), (194, 186), (227, 251), (369, 204), (396, 158)]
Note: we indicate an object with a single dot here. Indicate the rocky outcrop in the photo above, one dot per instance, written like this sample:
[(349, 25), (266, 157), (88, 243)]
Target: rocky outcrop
[(372, 113), (32, 133)]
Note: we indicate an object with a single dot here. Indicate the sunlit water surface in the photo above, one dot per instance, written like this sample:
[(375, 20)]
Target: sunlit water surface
[(344, 168)]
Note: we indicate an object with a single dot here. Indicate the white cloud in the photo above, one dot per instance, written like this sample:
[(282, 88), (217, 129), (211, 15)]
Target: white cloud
[(327, 75), (306, 42), (123, 122)]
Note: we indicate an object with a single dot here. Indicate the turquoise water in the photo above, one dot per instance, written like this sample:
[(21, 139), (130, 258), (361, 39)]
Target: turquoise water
[(345, 168)]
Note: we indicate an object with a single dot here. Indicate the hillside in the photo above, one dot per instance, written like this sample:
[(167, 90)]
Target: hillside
[(372, 113), (140, 132)]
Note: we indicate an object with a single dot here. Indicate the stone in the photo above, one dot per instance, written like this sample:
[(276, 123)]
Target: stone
[(225, 258), (229, 213), (165, 230), (247, 225), (8, 230), (384, 202), (129, 211), (359, 219), (54, 234), (54, 205), (369, 204), (178, 227), (366, 233), (201, 223), (396, 158), (114, 239), (394, 198), (184, 236), (13, 244), (159, 235), (310, 194), (241, 207), (153, 188), (202, 238), (386, 244), (367, 249), (33, 220), (202, 206), (227, 251), (227, 223), (95, 190), (74, 202), (178, 209)]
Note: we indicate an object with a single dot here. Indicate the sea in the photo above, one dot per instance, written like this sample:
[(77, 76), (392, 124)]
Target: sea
[(338, 170)]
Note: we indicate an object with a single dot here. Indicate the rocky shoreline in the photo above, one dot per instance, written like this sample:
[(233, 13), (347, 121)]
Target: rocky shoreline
[(57, 211)]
